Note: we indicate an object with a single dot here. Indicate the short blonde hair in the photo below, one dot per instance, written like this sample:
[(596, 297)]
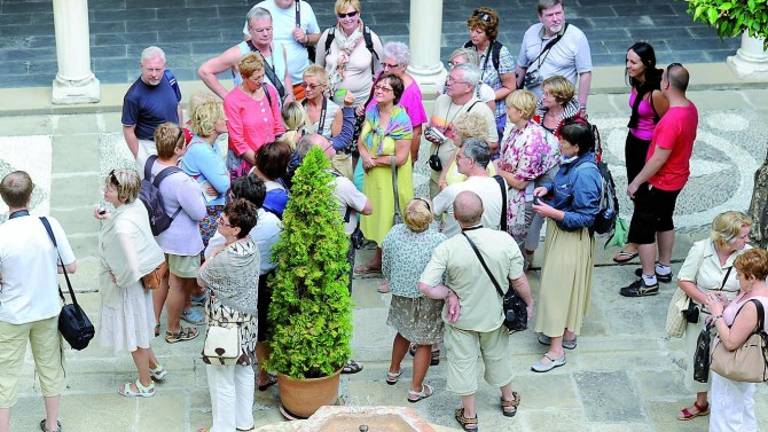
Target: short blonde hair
[(294, 116), (204, 117), (126, 182), (727, 226), (317, 71), (249, 64), (168, 137), (524, 101), (471, 125), (198, 99), (418, 214), (343, 4), (559, 87)]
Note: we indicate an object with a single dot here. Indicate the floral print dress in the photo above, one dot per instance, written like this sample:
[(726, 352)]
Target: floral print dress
[(527, 153)]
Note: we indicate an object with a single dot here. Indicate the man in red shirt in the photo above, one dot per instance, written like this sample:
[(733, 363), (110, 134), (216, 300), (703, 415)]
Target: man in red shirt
[(656, 188)]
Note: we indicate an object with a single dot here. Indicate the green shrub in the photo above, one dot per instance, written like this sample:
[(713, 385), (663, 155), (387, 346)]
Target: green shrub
[(311, 312), (732, 17)]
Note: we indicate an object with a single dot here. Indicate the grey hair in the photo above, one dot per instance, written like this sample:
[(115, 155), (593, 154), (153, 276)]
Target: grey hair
[(151, 52), (469, 73), (469, 53), (304, 145), (477, 150), (398, 51), (256, 13)]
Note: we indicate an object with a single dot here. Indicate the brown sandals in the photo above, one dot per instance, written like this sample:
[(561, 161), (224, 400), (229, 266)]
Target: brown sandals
[(468, 424), (509, 408)]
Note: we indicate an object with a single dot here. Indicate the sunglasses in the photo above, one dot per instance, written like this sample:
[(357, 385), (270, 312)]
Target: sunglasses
[(484, 16), (113, 179), (347, 15), (426, 203)]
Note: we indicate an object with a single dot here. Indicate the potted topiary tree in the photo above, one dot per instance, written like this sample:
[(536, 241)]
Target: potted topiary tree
[(311, 312), (731, 18)]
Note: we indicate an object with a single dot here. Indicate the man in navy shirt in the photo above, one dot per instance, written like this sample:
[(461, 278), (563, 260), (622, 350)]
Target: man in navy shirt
[(152, 100)]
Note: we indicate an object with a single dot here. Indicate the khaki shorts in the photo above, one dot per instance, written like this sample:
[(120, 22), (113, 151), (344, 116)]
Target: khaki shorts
[(465, 348), (45, 341), (183, 266)]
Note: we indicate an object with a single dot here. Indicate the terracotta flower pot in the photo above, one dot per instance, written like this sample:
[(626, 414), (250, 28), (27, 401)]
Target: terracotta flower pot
[(302, 397)]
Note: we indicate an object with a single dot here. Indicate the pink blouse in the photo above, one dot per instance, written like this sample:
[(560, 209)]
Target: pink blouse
[(730, 312), (252, 123)]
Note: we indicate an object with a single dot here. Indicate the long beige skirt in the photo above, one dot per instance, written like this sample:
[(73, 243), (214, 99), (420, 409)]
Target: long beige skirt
[(566, 280)]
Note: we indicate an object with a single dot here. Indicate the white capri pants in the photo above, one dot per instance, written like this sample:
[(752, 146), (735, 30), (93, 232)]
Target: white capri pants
[(231, 389)]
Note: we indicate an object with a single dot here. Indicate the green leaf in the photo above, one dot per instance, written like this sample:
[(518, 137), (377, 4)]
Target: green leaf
[(712, 15)]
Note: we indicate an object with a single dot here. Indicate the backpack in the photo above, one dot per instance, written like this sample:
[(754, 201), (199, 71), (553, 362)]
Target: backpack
[(368, 44), (150, 195), (605, 220), (495, 53)]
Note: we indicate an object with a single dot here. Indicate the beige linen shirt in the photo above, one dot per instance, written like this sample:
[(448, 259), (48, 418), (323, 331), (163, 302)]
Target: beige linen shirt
[(481, 307), (702, 267)]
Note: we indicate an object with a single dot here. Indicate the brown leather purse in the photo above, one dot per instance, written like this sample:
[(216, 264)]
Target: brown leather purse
[(153, 279)]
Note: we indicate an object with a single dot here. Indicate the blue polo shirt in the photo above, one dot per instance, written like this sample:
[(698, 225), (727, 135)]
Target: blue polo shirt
[(148, 106)]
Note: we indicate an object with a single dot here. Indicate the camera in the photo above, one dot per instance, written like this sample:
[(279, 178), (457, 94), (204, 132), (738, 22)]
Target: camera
[(435, 135), (435, 163), (532, 79)]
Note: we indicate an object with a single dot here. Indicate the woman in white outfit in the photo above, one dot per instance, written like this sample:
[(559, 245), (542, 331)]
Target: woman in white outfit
[(733, 403), (127, 252)]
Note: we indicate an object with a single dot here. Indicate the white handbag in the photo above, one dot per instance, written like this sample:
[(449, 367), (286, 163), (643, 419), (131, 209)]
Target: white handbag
[(222, 343)]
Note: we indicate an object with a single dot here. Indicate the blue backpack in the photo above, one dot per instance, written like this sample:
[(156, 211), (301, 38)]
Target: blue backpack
[(150, 195)]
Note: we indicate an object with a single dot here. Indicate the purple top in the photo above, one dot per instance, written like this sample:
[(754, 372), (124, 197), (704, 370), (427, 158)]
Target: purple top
[(183, 236), (646, 121), (411, 102)]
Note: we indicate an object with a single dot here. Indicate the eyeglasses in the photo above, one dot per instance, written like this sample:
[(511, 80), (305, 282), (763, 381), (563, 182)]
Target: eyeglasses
[(382, 88), (346, 15), (221, 221), (426, 203), (389, 65), (450, 80), (484, 16), (311, 86)]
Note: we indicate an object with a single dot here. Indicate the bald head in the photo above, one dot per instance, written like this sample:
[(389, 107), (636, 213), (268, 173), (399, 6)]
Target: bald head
[(311, 140), (16, 189), (677, 76), (467, 209)]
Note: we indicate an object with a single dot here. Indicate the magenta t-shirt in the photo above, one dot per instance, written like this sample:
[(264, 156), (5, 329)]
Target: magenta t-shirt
[(411, 103)]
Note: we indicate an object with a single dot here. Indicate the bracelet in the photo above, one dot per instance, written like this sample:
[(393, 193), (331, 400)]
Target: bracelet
[(717, 318)]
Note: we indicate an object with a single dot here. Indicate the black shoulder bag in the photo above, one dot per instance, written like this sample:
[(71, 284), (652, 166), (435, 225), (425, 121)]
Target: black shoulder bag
[(515, 312), (398, 217), (74, 324)]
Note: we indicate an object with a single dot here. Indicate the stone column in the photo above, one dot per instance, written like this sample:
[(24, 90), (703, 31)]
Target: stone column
[(426, 25), (74, 83), (751, 60)]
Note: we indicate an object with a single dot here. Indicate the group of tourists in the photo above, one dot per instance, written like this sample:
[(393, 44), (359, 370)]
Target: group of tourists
[(510, 149)]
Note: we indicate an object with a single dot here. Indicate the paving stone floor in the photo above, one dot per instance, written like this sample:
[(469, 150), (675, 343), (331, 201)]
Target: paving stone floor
[(192, 31), (625, 375)]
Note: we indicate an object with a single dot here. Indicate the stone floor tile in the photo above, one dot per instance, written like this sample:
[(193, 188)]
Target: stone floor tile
[(565, 420), (663, 416), (115, 412), (165, 412), (75, 124), (608, 396), (542, 392)]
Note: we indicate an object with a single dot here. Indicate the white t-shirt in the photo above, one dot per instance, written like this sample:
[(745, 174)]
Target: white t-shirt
[(28, 291), (265, 234), (485, 187), (283, 23), (569, 57), (348, 196)]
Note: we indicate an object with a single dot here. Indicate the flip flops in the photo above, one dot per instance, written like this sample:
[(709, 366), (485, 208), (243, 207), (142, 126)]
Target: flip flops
[(623, 256)]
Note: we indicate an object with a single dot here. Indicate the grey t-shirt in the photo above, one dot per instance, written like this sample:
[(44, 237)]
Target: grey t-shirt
[(569, 57)]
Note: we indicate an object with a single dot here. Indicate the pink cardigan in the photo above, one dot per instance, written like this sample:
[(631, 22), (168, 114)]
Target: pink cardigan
[(252, 123)]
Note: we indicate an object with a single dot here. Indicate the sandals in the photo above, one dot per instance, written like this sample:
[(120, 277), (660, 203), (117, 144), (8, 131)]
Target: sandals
[(509, 408), (184, 334), (701, 411), (193, 316), (42, 426), (468, 424), (426, 391), (141, 391), (157, 330), (542, 366), (158, 373), (367, 269), (434, 359), (352, 367), (272, 381), (383, 288), (393, 377), (567, 344), (623, 256)]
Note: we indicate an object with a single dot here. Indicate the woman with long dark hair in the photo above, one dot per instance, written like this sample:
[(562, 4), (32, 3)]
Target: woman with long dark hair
[(648, 105)]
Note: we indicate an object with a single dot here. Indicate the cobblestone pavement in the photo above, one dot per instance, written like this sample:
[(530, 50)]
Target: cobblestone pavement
[(192, 31), (624, 376)]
